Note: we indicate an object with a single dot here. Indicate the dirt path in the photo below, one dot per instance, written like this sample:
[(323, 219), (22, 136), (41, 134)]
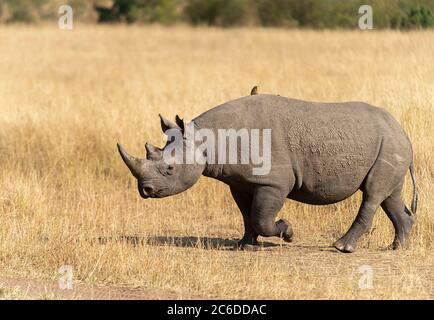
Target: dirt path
[(22, 288), (402, 274)]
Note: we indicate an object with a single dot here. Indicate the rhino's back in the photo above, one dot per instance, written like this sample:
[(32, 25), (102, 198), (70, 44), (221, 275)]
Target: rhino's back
[(329, 146), (302, 126), (270, 111)]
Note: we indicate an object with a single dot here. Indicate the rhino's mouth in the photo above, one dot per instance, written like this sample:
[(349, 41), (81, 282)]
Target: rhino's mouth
[(150, 192), (152, 196)]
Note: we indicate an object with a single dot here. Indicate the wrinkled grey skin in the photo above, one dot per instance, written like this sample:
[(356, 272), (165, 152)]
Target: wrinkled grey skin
[(321, 153)]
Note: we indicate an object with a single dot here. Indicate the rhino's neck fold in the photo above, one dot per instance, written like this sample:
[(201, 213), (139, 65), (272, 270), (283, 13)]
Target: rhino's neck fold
[(213, 170)]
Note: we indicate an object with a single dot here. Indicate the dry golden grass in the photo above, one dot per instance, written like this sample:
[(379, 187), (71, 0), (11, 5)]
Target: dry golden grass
[(66, 198)]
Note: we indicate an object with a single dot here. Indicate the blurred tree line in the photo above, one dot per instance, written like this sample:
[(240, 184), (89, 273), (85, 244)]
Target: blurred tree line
[(395, 14)]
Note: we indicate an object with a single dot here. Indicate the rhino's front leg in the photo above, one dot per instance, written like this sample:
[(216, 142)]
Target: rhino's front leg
[(267, 202), (244, 203)]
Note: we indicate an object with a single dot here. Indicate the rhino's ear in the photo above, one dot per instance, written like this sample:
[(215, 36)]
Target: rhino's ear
[(180, 123), (167, 125), (153, 153)]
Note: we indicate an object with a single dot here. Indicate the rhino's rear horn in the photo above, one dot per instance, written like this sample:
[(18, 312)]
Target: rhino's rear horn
[(180, 123), (167, 124), (152, 152), (135, 165)]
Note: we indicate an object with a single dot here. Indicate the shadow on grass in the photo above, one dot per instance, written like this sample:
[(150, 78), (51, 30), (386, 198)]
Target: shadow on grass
[(214, 243)]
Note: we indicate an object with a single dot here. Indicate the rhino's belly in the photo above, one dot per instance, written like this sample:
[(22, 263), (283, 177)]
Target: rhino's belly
[(330, 185), (322, 197)]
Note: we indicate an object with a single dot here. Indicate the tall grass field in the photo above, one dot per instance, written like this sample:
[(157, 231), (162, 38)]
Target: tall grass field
[(66, 197)]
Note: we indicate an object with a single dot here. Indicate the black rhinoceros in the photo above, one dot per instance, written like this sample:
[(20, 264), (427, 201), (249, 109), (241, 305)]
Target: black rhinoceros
[(320, 153)]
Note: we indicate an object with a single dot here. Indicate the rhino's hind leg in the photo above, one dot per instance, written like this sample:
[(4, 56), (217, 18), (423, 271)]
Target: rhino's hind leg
[(361, 225), (386, 175), (400, 216), (244, 203), (267, 202)]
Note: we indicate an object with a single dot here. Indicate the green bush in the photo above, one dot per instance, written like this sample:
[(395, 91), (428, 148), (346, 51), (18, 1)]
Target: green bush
[(275, 13), (146, 11), (223, 13), (309, 13), (32, 11), (420, 17), (202, 12), (317, 14), (24, 10), (417, 17)]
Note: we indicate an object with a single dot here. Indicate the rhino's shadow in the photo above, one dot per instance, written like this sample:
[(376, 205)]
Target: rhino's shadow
[(193, 242), (214, 243)]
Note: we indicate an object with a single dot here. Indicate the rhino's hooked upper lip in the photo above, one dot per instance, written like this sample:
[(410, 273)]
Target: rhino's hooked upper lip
[(147, 191)]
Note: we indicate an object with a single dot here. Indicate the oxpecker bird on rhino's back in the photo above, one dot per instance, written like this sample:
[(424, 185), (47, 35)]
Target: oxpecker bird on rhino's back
[(319, 153), (254, 90)]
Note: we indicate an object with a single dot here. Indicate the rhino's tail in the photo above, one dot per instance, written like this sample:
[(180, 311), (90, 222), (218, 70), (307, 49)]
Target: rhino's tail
[(415, 195)]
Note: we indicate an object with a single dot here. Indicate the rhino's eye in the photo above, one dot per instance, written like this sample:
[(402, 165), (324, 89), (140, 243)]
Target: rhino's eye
[(170, 169)]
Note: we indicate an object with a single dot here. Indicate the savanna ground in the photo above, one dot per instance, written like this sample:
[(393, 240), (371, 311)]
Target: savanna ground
[(66, 198)]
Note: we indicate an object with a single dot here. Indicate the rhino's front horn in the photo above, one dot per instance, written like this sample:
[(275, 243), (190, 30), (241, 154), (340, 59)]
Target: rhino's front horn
[(135, 165)]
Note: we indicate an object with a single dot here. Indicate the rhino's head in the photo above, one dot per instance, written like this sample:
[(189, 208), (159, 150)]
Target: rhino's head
[(156, 177)]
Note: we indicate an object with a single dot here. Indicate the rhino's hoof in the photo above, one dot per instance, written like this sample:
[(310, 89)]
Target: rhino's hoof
[(343, 246), (392, 246), (248, 244), (395, 245), (288, 234), (287, 238), (249, 247)]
